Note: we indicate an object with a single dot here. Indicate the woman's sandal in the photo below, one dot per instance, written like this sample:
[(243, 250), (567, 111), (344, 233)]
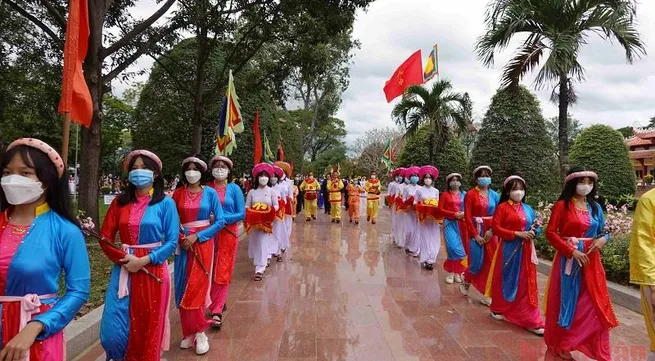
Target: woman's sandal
[(258, 276), (279, 258), (217, 320)]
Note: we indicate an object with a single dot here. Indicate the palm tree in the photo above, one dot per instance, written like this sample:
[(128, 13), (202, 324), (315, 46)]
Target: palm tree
[(443, 110), (556, 30)]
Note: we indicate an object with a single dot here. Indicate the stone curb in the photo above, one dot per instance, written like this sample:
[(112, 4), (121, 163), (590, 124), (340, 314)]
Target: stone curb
[(85, 331), (627, 297)]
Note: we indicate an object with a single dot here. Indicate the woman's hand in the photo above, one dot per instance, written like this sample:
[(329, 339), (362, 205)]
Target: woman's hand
[(459, 215), (582, 258), (189, 240), (133, 263), (487, 235), (17, 347), (598, 244), (481, 241), (524, 235)]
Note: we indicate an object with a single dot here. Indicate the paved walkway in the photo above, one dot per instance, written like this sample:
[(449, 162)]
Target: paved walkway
[(346, 293)]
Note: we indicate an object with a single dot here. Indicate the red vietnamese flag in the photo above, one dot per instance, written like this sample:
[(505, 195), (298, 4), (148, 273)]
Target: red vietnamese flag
[(75, 95), (408, 74), (258, 141)]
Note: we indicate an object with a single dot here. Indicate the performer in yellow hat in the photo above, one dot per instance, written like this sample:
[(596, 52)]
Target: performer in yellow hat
[(334, 186), (311, 187), (372, 198)]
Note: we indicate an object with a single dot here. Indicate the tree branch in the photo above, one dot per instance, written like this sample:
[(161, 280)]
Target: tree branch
[(36, 22), (55, 13), (138, 29), (172, 75)]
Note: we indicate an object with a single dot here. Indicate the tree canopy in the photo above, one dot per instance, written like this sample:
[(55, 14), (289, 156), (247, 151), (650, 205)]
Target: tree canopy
[(513, 141), (602, 149), (450, 159)]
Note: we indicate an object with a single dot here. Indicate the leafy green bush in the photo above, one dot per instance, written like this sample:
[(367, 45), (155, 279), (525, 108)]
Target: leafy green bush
[(602, 149), (648, 179), (452, 160), (615, 259), (513, 140)]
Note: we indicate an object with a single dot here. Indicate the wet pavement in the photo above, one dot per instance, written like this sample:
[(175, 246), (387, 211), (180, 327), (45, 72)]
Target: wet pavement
[(344, 292)]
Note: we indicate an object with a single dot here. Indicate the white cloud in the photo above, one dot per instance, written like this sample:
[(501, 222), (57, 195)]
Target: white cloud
[(614, 92)]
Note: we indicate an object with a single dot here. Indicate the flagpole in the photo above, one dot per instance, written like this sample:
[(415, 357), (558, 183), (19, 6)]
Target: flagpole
[(65, 139), (77, 150)]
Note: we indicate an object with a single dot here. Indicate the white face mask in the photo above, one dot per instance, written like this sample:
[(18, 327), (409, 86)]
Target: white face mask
[(584, 189), (274, 180), (399, 179), (263, 181), (427, 181), (517, 195), (373, 176), (455, 184), (311, 177), (21, 190), (220, 173), (192, 176)]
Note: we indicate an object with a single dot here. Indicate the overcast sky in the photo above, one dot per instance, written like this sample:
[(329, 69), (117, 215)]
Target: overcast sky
[(614, 93)]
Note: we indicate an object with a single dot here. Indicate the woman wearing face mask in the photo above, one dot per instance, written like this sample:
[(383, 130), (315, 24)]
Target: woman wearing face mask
[(135, 324), (193, 258), (39, 239), (512, 283), (579, 312), (279, 226), (225, 250), (428, 230), (261, 207), (399, 209), (479, 206), (286, 182), (412, 242), (451, 207), (391, 201), (354, 189)]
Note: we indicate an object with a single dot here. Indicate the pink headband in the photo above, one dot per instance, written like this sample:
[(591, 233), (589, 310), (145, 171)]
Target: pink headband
[(585, 174), (142, 153), (262, 167), (223, 159), (203, 165), (453, 175), (511, 178), (428, 169), (277, 171), (55, 158), (483, 167)]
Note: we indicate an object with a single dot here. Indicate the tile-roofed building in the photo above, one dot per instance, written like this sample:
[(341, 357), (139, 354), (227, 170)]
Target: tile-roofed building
[(642, 151)]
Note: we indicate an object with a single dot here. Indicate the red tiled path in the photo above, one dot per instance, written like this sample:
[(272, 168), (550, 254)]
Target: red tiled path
[(346, 293)]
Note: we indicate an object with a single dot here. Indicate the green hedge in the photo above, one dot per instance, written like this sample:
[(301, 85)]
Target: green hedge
[(513, 141), (602, 149)]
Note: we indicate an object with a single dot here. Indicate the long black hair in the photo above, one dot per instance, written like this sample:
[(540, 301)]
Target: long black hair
[(507, 189), (129, 195), (56, 187), (185, 167), (569, 191)]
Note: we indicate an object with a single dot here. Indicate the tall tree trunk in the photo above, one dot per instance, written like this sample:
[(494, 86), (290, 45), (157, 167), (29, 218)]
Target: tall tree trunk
[(91, 137), (433, 140), (563, 133), (199, 91)]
